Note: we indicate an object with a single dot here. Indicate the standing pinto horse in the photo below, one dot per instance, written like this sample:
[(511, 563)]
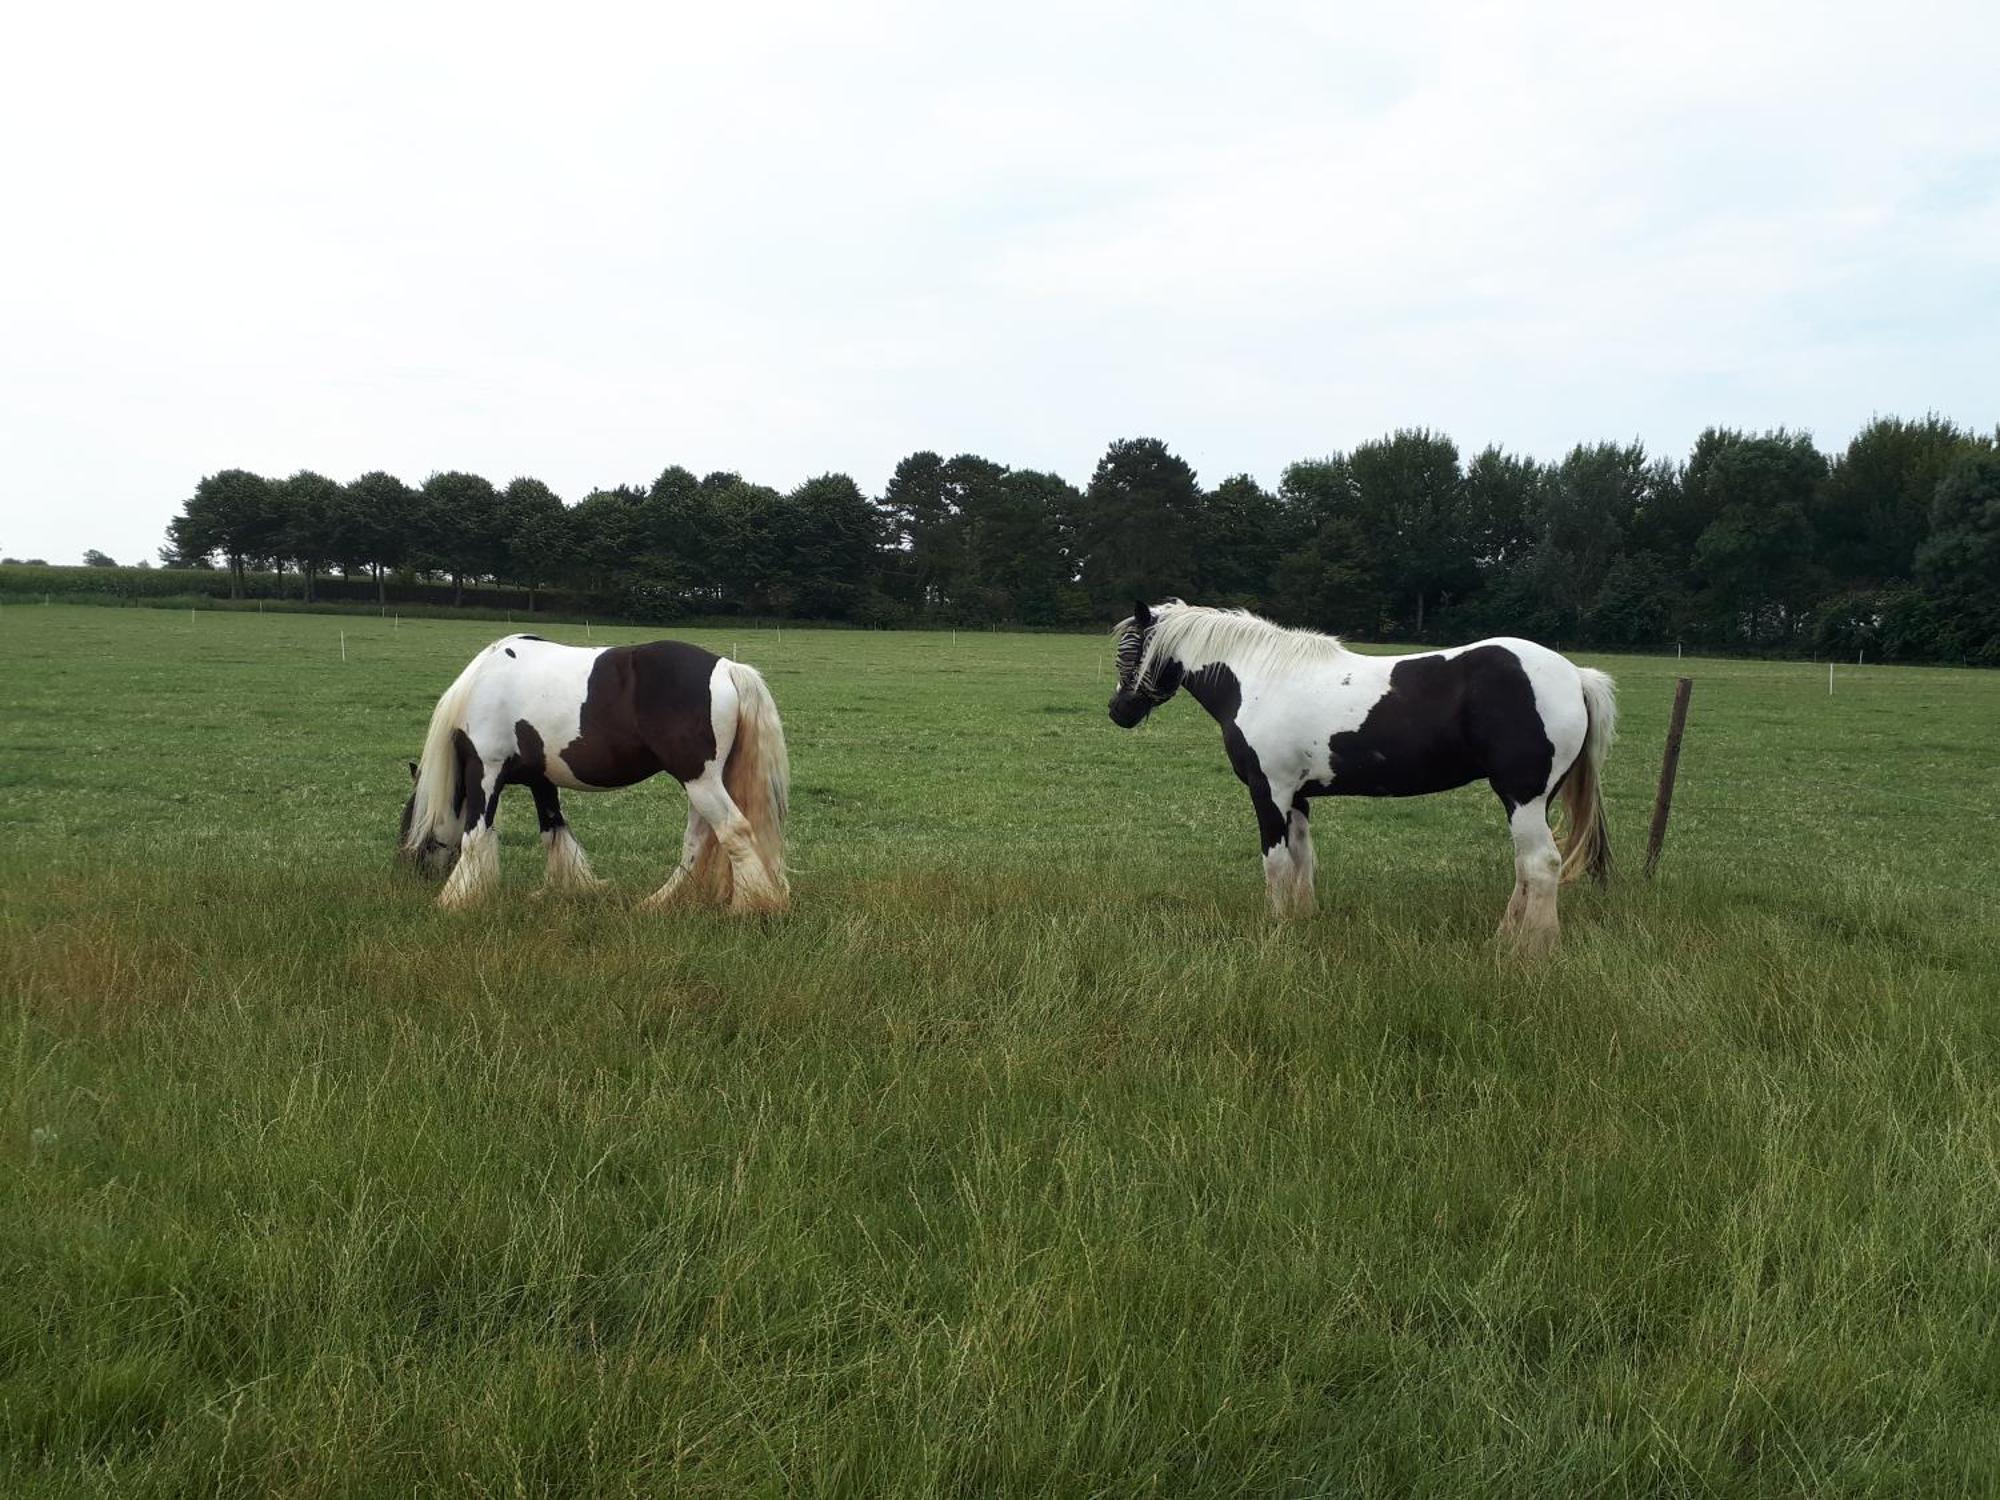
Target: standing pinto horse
[(1303, 717), (527, 711)]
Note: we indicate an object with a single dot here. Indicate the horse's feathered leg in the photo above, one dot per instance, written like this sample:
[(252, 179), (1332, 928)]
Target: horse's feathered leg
[(1298, 839), (568, 866), (693, 843), (1531, 922), (754, 889), (478, 867), (1281, 868)]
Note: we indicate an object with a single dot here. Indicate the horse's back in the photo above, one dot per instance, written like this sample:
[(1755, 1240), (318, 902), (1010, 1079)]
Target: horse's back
[(592, 717)]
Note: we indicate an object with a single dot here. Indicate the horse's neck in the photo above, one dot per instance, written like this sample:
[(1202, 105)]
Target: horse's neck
[(1218, 685), (1221, 685)]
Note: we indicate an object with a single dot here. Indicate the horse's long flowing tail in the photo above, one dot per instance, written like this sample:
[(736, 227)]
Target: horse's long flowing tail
[(432, 814), (1586, 839), (758, 773)]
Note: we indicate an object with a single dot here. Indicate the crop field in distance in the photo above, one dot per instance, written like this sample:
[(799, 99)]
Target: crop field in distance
[(1028, 1155)]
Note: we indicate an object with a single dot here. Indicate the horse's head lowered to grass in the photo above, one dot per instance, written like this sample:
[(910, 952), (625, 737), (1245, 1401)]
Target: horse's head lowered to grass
[(430, 855)]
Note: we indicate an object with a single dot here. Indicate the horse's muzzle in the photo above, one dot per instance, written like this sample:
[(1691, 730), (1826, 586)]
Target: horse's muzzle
[(433, 860), (1126, 711)]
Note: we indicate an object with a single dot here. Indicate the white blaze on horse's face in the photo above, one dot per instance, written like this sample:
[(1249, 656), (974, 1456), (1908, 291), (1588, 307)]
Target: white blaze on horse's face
[(1304, 717)]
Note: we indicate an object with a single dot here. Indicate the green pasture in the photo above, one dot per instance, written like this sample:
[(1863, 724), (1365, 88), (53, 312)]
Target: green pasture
[(1027, 1155)]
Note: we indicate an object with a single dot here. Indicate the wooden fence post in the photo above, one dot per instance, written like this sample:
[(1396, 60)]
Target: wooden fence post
[(1669, 768)]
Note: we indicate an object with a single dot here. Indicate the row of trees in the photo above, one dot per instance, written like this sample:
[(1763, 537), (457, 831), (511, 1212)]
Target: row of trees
[(1756, 541)]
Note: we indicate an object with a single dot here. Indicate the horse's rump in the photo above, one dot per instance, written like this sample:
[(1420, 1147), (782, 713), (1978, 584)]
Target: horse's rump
[(757, 776), (1586, 835)]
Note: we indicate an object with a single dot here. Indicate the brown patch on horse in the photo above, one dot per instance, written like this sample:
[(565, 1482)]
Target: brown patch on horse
[(530, 760), (468, 800), (645, 710)]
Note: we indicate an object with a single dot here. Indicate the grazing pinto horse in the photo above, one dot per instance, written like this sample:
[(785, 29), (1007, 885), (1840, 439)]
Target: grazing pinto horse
[(527, 711), (1303, 717)]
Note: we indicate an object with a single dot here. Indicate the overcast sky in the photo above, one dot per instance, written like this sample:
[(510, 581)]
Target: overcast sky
[(586, 241)]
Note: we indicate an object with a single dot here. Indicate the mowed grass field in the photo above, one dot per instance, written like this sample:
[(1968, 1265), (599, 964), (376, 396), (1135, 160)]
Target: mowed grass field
[(1027, 1155)]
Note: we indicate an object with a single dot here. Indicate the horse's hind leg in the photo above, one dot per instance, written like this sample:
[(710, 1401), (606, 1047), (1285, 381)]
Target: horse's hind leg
[(568, 866), (1531, 921), (754, 889), (697, 850)]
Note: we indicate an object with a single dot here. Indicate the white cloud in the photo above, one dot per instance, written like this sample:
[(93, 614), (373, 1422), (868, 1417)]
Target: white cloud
[(788, 238)]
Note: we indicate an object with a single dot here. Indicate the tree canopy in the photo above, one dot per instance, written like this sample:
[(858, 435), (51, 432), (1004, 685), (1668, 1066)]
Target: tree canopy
[(1755, 541)]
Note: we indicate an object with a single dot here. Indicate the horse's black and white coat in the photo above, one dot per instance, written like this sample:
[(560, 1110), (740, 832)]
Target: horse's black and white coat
[(1304, 717), (528, 712)]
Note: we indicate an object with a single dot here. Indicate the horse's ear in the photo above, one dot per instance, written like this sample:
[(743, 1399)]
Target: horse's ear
[(1142, 616), (413, 770)]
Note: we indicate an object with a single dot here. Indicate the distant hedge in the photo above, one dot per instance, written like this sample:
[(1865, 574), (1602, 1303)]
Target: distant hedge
[(22, 583)]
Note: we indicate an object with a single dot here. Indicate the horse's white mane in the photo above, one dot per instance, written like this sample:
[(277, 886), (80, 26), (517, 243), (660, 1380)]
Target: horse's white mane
[(1195, 635)]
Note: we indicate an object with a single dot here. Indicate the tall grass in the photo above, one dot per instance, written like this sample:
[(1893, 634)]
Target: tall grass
[(1027, 1156)]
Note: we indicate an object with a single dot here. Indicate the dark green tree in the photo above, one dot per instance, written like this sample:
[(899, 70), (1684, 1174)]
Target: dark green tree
[(1959, 565), (461, 529), (1243, 534), (969, 553), (833, 544), (309, 506), (537, 535), (917, 530), (1330, 573), (92, 558), (1034, 529), (1501, 507), (1590, 504), (378, 526), (677, 540), (1637, 603), (1873, 510), (230, 512), (1408, 489), (608, 538), (1755, 556), (1329, 581), (1141, 526)]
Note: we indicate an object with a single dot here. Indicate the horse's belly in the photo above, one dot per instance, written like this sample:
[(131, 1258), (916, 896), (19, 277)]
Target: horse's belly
[(1409, 756), (592, 765), (1396, 778)]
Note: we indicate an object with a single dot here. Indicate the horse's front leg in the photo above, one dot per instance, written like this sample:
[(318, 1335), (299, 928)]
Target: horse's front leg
[(478, 867), (1298, 839), (1281, 870), (568, 866)]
